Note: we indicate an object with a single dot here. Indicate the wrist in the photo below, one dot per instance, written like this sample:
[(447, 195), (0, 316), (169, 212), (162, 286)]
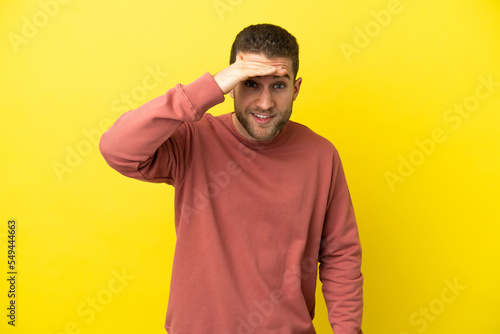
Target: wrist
[(203, 93)]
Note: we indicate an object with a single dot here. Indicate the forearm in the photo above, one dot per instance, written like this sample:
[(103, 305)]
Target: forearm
[(340, 261), (139, 133), (343, 289)]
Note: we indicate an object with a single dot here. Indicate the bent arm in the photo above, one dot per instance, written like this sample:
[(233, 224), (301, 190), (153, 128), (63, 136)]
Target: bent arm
[(143, 143), (340, 259)]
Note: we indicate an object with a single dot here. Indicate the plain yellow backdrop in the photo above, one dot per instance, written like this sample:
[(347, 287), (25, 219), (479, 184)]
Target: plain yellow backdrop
[(408, 91)]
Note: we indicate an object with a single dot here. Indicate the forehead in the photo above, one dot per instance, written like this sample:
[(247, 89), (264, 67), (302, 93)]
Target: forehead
[(275, 61)]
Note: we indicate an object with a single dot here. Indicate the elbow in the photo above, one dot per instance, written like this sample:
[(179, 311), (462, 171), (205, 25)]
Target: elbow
[(116, 158), (104, 148), (108, 152)]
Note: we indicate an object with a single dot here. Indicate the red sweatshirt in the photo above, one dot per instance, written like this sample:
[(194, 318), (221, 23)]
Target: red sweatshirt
[(253, 219)]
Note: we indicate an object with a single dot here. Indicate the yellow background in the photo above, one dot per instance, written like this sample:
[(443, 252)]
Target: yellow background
[(80, 227)]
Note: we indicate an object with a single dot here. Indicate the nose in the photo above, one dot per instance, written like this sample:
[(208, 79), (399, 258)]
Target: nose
[(265, 100)]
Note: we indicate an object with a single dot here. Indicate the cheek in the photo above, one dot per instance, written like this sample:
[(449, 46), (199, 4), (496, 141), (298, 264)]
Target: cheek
[(284, 100), (242, 100)]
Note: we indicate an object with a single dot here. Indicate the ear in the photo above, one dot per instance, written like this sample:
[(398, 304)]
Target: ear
[(231, 93), (296, 87)]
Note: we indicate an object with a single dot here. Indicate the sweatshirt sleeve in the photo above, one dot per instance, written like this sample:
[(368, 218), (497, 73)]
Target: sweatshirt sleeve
[(340, 259), (144, 143)]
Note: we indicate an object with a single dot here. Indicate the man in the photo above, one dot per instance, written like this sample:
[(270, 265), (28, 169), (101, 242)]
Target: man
[(259, 200)]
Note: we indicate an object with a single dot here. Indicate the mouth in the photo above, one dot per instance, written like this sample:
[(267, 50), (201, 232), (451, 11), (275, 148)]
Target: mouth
[(262, 119)]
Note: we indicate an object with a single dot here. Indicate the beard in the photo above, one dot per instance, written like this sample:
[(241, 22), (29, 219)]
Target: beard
[(263, 132)]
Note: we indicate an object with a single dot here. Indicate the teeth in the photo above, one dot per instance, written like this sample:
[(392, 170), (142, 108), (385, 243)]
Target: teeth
[(260, 116)]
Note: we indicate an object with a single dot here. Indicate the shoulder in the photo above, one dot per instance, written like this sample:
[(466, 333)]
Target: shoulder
[(304, 137), (207, 128)]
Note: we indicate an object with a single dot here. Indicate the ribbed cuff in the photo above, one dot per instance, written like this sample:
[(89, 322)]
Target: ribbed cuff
[(203, 93)]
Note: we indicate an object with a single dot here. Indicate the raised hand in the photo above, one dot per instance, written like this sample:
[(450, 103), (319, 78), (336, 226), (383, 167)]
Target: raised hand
[(241, 70)]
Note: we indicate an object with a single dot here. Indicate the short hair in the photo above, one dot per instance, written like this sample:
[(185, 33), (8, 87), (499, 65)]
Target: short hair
[(268, 39)]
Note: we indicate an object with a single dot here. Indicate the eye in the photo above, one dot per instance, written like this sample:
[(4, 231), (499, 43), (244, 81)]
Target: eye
[(251, 84), (279, 86)]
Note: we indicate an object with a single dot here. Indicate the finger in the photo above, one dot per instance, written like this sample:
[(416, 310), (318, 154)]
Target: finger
[(261, 70), (265, 69), (261, 67), (282, 71)]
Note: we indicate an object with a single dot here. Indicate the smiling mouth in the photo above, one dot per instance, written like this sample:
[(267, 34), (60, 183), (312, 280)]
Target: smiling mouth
[(262, 119), (262, 116)]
